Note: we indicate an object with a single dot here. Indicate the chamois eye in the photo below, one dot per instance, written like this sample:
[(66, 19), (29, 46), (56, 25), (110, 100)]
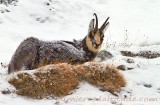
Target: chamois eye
[(102, 35)]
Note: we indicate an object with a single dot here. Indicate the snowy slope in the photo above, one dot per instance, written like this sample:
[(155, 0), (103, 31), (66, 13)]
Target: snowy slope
[(68, 19)]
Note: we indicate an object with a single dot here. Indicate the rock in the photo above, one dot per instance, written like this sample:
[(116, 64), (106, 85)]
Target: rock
[(147, 85), (130, 61), (7, 91), (124, 68), (121, 67), (130, 68), (103, 54)]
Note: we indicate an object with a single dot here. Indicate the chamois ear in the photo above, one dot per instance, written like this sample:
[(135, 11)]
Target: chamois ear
[(91, 26), (105, 26)]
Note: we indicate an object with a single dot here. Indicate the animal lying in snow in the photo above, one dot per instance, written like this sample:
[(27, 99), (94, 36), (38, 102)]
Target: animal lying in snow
[(33, 53)]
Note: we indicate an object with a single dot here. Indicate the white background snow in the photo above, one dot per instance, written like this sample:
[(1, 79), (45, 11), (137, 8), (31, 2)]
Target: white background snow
[(69, 19)]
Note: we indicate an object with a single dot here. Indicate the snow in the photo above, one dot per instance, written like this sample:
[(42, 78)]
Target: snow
[(69, 19)]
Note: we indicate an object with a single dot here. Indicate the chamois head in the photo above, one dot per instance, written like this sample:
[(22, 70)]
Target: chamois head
[(95, 35)]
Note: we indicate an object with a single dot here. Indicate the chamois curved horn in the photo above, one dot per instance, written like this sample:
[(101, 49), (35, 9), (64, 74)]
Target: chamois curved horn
[(96, 26), (104, 24)]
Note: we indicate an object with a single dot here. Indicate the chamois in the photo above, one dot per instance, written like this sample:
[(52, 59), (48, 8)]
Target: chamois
[(33, 53)]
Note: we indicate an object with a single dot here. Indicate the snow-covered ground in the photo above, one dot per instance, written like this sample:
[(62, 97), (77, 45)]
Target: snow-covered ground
[(69, 19)]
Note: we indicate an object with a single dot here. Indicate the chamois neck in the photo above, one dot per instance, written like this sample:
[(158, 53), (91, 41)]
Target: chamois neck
[(89, 54)]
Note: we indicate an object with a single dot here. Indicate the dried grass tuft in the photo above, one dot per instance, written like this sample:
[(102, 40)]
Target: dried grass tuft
[(53, 80), (62, 79), (108, 78), (145, 54)]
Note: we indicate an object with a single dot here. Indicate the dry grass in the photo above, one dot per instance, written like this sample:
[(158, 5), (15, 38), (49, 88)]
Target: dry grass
[(145, 54), (106, 77), (149, 54), (128, 53), (43, 63), (62, 79), (54, 80)]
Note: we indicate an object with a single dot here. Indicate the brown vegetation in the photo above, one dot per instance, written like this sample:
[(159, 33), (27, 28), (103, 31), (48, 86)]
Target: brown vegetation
[(62, 79), (146, 54), (51, 80), (106, 77), (128, 53)]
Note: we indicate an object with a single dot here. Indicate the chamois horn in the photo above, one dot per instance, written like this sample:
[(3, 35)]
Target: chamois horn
[(96, 25), (104, 24)]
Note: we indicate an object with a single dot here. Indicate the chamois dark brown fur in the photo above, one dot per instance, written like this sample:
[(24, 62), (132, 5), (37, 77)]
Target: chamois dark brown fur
[(33, 53)]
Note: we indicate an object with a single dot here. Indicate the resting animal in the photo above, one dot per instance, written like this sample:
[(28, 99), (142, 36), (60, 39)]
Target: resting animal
[(33, 53)]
